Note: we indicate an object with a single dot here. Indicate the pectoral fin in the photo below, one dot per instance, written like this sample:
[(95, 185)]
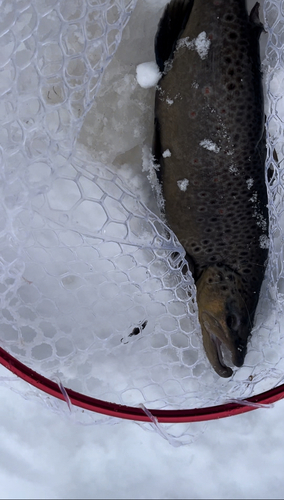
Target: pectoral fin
[(171, 25)]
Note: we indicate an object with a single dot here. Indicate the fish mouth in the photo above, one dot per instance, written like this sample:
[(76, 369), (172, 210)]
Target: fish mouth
[(213, 345)]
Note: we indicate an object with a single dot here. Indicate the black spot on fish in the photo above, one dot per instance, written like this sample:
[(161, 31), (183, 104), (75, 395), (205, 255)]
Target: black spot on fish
[(231, 86)]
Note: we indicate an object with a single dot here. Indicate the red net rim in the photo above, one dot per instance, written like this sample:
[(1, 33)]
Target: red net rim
[(132, 413)]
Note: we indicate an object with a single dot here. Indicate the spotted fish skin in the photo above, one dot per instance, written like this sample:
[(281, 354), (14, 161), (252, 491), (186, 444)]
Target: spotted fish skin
[(209, 115)]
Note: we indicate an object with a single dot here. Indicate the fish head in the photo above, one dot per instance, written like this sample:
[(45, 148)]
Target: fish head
[(224, 317)]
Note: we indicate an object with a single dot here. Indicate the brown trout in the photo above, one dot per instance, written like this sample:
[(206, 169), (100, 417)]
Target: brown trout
[(210, 144)]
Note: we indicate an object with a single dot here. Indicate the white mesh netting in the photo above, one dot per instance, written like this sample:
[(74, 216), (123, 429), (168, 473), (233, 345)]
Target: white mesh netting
[(92, 292)]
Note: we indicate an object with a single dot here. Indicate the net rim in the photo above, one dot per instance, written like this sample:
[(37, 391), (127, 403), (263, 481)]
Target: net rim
[(137, 413)]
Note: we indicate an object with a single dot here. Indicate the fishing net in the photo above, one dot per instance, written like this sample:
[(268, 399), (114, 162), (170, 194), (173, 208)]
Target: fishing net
[(96, 296)]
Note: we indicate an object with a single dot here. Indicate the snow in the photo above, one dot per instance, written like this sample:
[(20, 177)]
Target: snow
[(253, 199), (183, 184), (44, 455), (233, 169), (147, 74), (169, 101), (264, 241), (167, 154), (209, 145), (250, 183), (201, 44), (150, 167)]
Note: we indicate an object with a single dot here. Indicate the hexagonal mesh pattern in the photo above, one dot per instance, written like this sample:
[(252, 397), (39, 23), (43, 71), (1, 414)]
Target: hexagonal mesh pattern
[(95, 291)]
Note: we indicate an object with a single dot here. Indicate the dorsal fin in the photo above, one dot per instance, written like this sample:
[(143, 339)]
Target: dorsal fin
[(256, 23), (171, 25)]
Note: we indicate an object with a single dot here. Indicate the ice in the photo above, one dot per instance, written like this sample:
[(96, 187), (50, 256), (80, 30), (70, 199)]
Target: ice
[(149, 165)]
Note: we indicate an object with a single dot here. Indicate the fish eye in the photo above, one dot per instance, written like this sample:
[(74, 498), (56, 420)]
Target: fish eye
[(232, 322)]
